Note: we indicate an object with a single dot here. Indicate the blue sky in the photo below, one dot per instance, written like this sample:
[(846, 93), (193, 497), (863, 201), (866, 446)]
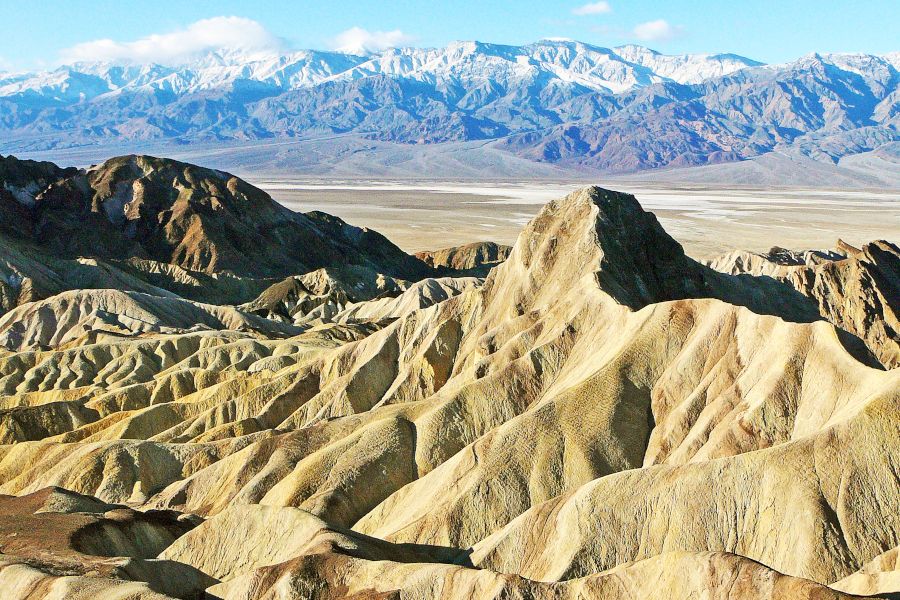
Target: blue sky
[(42, 33)]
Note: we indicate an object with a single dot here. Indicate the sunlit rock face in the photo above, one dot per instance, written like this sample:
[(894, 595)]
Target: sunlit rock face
[(594, 415)]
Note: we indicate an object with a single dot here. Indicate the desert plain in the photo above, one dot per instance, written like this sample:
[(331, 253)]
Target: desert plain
[(706, 219)]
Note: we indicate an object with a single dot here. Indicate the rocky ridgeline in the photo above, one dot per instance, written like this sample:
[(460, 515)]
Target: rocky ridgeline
[(600, 417), (557, 102)]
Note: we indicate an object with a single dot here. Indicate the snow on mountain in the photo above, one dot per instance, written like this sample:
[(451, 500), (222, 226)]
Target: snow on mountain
[(84, 81), (601, 69), (893, 58), (685, 68), (870, 66), (556, 101)]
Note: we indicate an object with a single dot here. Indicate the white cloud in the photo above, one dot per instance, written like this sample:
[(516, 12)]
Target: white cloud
[(593, 8), (217, 33), (656, 31), (357, 40)]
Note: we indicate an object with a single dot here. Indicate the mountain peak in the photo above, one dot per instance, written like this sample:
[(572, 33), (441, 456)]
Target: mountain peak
[(636, 48), (597, 238), (138, 206), (564, 102), (291, 70), (641, 263)]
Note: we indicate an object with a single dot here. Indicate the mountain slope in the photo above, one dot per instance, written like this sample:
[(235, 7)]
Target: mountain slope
[(95, 312), (187, 216), (477, 258), (869, 275), (601, 417), (579, 106)]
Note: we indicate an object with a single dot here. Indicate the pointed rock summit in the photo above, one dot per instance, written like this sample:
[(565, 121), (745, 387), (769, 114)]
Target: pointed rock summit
[(641, 263), (598, 238)]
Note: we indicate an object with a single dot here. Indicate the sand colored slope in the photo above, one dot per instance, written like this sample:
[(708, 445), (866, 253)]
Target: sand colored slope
[(328, 290), (421, 294), (601, 417), (880, 576), (856, 289), (70, 315), (614, 390), (825, 511), (23, 582), (272, 535), (678, 576)]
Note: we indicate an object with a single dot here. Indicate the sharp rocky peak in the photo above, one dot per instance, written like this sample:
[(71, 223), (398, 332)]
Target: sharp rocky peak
[(597, 244), (602, 239)]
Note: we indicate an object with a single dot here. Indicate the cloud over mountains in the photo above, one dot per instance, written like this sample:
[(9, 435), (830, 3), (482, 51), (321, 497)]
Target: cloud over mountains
[(176, 47), (659, 30), (357, 40), (593, 8)]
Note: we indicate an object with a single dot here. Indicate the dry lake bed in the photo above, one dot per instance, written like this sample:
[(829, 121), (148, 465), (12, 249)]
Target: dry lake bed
[(707, 221)]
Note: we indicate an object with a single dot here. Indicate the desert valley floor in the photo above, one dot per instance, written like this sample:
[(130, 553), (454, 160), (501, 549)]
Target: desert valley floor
[(707, 220)]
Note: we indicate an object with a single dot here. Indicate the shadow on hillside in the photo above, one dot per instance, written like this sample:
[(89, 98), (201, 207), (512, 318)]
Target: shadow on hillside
[(765, 295)]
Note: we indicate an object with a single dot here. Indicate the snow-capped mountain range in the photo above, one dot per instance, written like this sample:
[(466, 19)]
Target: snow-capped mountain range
[(468, 63), (616, 109)]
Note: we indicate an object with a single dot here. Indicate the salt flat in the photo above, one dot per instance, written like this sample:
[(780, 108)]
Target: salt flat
[(706, 220)]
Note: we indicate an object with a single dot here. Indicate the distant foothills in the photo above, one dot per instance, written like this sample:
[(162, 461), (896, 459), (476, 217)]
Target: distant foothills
[(559, 104)]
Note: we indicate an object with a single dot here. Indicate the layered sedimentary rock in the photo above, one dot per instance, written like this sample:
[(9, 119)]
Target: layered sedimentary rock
[(470, 259), (858, 290), (601, 417), (181, 214)]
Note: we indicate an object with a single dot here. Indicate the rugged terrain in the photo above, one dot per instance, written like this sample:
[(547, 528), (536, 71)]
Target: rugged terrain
[(589, 414), (531, 109)]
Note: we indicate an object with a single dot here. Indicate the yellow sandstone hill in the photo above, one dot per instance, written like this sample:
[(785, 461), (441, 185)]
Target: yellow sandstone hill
[(469, 259), (858, 291), (601, 417)]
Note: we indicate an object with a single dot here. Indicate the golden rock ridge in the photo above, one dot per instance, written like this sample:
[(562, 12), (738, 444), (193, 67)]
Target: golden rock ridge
[(601, 417)]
